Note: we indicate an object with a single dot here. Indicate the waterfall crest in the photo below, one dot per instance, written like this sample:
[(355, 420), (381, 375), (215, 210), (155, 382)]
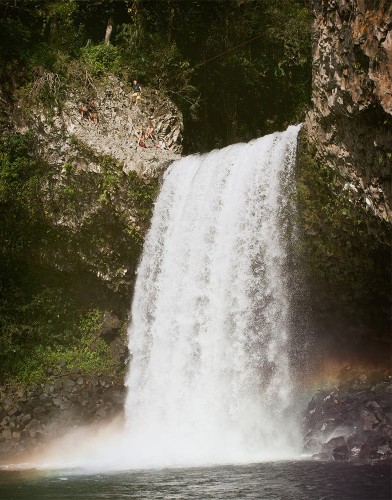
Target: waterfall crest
[(210, 378)]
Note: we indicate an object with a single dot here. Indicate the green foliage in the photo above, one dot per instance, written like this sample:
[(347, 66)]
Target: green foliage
[(236, 69), (85, 351), (143, 193), (101, 59), (21, 176), (110, 177)]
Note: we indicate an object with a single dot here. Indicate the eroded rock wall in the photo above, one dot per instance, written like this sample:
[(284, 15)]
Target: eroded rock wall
[(351, 118), (64, 134)]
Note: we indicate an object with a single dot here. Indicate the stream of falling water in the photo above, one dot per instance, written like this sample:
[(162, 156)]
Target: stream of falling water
[(210, 378)]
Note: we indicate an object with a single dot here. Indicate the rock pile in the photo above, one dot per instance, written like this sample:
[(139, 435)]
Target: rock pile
[(29, 416), (351, 422)]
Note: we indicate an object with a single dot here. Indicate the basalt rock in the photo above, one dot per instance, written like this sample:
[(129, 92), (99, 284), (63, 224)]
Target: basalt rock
[(29, 422), (344, 171), (351, 422), (351, 119)]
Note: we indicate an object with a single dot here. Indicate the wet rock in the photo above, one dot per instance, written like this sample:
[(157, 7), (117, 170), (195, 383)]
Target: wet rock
[(384, 449), (312, 446), (101, 412), (369, 450), (359, 411), (369, 421), (340, 453), (25, 419), (5, 421), (39, 410), (6, 434), (328, 447), (41, 415)]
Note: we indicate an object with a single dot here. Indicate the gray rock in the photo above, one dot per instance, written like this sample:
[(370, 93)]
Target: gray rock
[(312, 446), (6, 434), (101, 412), (39, 410), (369, 421), (25, 419), (340, 453), (58, 385), (13, 411), (5, 421)]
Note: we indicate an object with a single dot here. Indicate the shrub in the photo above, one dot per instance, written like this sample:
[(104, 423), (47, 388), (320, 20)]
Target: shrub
[(101, 58)]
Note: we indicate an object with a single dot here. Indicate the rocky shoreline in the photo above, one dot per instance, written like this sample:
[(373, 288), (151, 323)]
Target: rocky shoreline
[(31, 416), (352, 421)]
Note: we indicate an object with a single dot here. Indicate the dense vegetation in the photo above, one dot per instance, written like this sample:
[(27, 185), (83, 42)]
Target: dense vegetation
[(52, 304), (237, 69)]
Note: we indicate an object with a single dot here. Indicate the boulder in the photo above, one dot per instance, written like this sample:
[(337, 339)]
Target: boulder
[(340, 453)]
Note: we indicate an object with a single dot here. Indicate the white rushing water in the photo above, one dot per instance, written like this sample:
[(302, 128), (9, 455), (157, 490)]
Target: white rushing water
[(210, 378)]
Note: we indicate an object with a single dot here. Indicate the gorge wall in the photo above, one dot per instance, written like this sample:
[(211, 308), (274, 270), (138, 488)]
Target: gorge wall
[(351, 117), (82, 195), (344, 200), (344, 181)]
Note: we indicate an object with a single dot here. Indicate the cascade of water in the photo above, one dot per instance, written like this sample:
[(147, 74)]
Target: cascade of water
[(210, 378)]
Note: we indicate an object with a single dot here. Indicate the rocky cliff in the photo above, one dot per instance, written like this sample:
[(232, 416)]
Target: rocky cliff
[(344, 200), (344, 181), (98, 173), (65, 134), (351, 119), (352, 421), (83, 189)]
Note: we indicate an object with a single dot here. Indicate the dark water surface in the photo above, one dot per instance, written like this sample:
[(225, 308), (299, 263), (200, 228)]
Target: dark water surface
[(279, 480)]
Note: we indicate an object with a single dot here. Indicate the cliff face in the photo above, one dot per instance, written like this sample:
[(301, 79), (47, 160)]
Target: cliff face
[(344, 200), (64, 135), (101, 184), (82, 190), (351, 119), (344, 182), (77, 194)]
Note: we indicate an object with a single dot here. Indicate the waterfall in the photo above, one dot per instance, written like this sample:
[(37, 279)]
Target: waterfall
[(210, 379)]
